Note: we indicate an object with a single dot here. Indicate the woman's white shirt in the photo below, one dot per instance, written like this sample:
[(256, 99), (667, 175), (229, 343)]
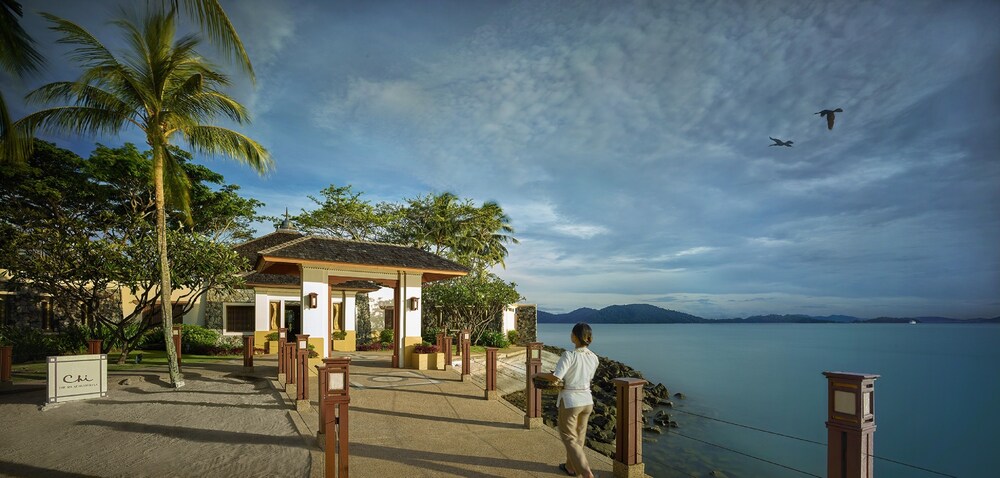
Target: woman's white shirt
[(576, 369)]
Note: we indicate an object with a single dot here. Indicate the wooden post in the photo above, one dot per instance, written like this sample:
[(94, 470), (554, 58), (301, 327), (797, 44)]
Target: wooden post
[(302, 371), (447, 352), (465, 341), (248, 352), (94, 346), (491, 373), (6, 362), (289, 366), (850, 424), (440, 341), (628, 429), (533, 365), (324, 391), (336, 403), (177, 344)]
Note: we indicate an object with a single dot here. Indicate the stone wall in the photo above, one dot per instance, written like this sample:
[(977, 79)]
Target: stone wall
[(526, 322), (214, 300)]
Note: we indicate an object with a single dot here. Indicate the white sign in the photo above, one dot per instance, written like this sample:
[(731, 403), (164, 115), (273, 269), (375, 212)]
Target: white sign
[(77, 377)]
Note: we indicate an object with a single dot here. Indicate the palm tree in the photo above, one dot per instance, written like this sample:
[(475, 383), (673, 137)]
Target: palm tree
[(161, 86), (19, 58)]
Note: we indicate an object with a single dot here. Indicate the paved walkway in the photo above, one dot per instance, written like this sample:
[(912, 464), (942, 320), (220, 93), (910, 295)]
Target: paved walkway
[(430, 423)]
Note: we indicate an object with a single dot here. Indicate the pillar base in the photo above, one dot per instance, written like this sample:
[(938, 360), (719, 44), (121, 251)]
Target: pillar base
[(466, 377), (622, 470), (491, 394), (302, 406), (533, 422), (290, 389), (449, 367), (281, 378)]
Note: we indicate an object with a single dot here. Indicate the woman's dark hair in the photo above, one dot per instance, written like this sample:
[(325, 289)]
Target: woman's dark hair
[(583, 333)]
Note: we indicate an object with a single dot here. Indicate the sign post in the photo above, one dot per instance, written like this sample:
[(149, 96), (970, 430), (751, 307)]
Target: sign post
[(282, 332), (850, 424), (336, 403), (466, 343), (94, 346), (177, 344), (447, 352), (302, 372), (76, 377), (248, 352)]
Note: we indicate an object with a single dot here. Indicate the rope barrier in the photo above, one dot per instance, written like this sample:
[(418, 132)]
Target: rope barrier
[(674, 431), (806, 440)]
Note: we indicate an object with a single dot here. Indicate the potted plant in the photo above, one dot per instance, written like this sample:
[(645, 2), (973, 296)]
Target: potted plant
[(271, 343), (428, 357), (340, 341)]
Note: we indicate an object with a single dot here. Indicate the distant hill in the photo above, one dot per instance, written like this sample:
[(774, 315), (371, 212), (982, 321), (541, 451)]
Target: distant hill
[(651, 314)]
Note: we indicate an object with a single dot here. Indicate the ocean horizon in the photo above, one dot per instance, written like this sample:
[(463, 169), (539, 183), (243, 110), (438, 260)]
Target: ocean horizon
[(934, 398)]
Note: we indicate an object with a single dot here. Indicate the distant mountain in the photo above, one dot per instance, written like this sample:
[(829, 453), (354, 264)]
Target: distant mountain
[(651, 314), (777, 319), (622, 314)]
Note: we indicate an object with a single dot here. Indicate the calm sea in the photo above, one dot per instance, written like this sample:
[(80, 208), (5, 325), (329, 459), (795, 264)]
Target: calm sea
[(937, 402)]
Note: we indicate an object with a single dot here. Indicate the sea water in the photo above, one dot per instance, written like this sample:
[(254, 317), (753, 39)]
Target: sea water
[(937, 402)]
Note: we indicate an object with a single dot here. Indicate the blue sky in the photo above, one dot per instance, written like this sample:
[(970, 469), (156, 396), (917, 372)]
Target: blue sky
[(629, 140)]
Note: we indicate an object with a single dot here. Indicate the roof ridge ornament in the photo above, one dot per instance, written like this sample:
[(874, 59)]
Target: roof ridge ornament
[(286, 225)]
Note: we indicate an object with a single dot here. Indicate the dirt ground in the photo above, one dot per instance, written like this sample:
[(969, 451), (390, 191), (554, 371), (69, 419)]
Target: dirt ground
[(222, 423)]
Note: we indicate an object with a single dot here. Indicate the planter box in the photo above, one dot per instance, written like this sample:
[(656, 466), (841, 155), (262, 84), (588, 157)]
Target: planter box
[(271, 347), (429, 361)]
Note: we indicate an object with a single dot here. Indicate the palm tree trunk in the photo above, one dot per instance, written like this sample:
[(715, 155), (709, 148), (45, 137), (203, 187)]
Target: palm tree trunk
[(166, 309)]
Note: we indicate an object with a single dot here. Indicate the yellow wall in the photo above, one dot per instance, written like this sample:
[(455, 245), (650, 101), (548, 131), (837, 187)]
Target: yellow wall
[(408, 344)]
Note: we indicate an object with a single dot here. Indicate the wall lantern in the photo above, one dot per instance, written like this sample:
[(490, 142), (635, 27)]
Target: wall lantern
[(337, 376), (465, 336), (281, 335), (313, 299), (176, 331), (303, 344), (414, 303)]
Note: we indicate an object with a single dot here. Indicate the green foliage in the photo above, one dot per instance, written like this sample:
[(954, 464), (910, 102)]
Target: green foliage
[(475, 301), (31, 344), (512, 336), (198, 340), (425, 348), (364, 322), (493, 339), (312, 351), (339, 335), (429, 334), (385, 336), (273, 336)]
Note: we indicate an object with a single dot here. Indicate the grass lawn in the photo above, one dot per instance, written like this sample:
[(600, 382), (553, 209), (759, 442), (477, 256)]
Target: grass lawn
[(150, 358)]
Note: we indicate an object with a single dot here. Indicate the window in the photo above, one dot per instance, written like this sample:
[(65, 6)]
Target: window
[(45, 311), (389, 318), (152, 313), (238, 318)]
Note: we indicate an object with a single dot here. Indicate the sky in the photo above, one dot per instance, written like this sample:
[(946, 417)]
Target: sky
[(628, 141)]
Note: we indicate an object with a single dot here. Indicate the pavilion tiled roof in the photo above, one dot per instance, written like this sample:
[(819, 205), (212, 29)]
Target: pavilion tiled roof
[(257, 278), (329, 249), (249, 249)]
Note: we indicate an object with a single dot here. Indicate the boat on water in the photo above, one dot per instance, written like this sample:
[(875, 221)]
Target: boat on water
[(913, 322)]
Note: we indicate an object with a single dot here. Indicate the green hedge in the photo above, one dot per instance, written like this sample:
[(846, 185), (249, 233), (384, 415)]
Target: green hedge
[(31, 344)]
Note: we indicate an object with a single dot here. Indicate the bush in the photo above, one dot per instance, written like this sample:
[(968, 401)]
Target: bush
[(425, 348), (29, 343), (374, 346), (339, 335), (271, 337), (196, 339), (493, 339), (312, 351), (430, 335), (385, 336), (512, 336)]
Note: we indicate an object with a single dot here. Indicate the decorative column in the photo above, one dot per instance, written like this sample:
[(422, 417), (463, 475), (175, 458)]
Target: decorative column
[(533, 365), (6, 362), (335, 415), (177, 344), (282, 334), (302, 372), (850, 424), (491, 373), (289, 353), (466, 343), (94, 346), (628, 429), (248, 352)]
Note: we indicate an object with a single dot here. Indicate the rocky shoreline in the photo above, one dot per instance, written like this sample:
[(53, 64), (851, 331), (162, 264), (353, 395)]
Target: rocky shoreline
[(601, 427)]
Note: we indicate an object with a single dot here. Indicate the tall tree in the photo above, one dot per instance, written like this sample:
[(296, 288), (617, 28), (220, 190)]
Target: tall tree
[(161, 86)]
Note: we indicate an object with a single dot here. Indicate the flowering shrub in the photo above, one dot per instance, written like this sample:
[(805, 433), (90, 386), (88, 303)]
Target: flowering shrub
[(374, 346), (425, 348)]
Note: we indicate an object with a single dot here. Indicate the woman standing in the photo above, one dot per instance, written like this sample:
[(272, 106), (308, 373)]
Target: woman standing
[(576, 369)]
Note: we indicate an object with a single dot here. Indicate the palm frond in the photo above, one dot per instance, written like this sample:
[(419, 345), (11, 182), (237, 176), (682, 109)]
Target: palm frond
[(176, 185), (17, 49), (213, 18), (90, 53), (71, 119), (15, 146), (226, 142)]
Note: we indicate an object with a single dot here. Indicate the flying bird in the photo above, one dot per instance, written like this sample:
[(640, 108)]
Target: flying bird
[(778, 142), (829, 116)]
